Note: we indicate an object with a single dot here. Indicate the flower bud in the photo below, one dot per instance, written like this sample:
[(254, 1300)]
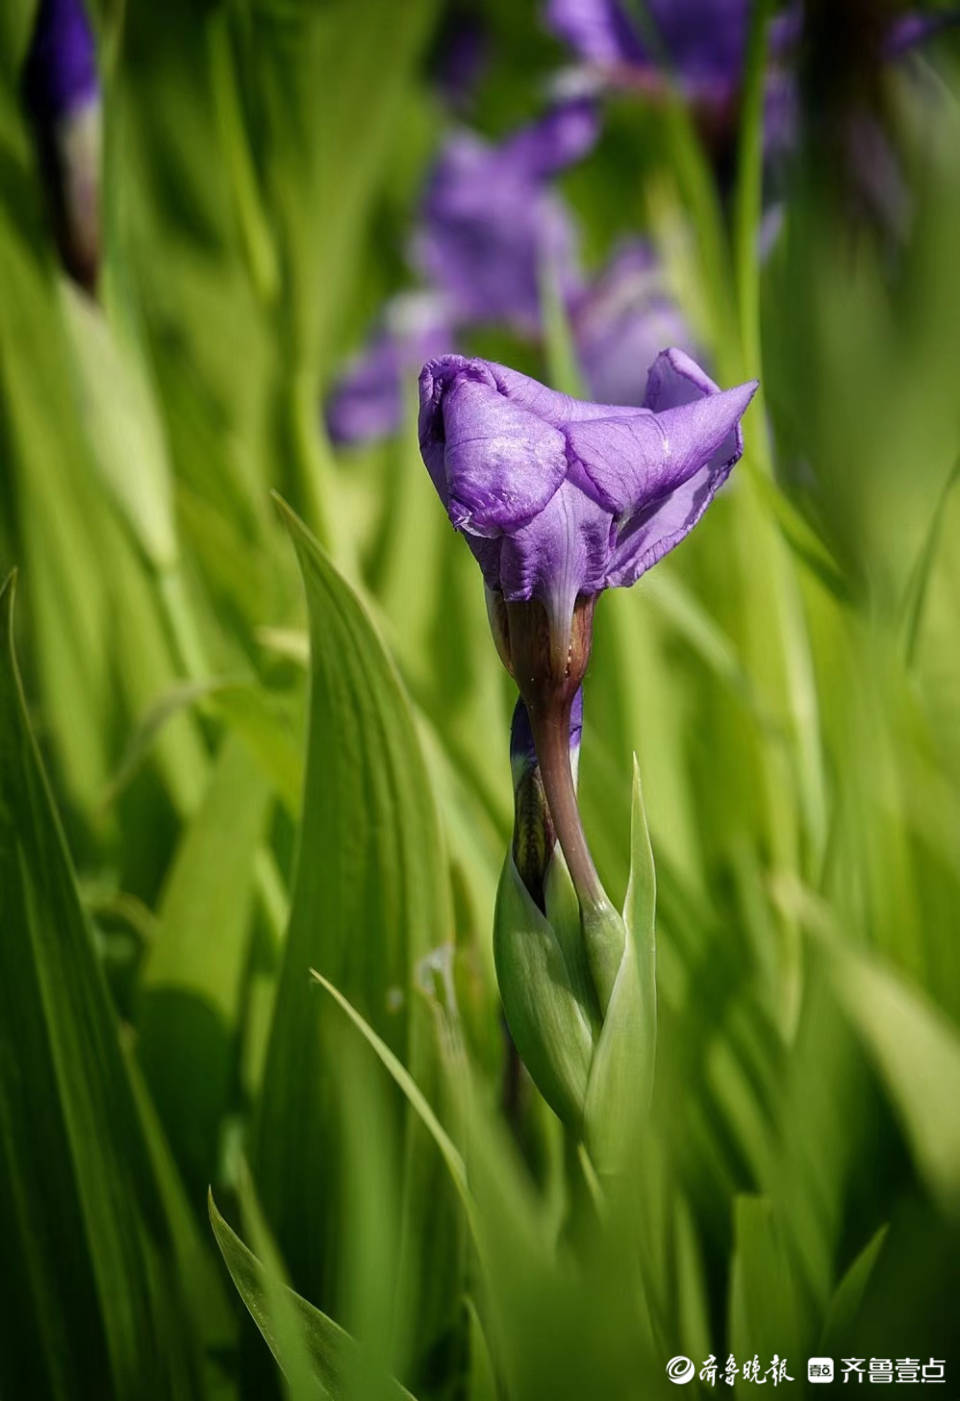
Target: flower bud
[(585, 1026)]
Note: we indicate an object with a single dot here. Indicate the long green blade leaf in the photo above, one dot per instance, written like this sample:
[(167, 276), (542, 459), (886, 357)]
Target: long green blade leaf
[(89, 1292)]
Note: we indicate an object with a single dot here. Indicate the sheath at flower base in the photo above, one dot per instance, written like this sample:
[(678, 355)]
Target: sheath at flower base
[(558, 500)]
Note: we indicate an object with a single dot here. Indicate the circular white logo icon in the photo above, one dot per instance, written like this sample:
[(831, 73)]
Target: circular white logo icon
[(680, 1370)]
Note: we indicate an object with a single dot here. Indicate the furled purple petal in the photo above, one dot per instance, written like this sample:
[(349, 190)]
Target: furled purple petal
[(491, 226), (367, 401), (702, 427), (558, 409), (503, 463), (61, 71), (619, 461), (626, 462), (500, 464)]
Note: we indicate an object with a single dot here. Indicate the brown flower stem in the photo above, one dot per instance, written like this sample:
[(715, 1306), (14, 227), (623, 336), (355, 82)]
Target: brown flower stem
[(547, 656), (551, 735), (601, 928)]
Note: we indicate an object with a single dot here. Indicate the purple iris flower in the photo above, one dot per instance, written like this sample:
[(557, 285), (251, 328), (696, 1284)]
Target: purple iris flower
[(367, 401), (62, 92), (622, 321), (491, 225), (61, 73), (560, 499)]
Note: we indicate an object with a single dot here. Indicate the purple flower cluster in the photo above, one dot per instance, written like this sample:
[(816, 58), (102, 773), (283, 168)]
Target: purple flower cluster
[(701, 46), (492, 226), (492, 229)]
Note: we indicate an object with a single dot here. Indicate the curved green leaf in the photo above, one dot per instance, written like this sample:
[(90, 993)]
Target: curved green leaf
[(621, 1074), (329, 1349), (89, 1293), (370, 900)]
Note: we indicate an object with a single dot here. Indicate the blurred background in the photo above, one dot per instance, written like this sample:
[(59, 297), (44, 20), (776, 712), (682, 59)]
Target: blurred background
[(230, 235)]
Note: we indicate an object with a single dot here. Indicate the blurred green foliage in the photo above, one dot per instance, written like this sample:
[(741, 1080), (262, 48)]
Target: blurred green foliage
[(790, 683)]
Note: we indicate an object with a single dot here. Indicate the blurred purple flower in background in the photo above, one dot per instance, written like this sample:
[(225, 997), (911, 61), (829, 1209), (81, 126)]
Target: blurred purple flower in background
[(560, 498), (622, 321), (703, 41), (491, 226), (62, 93), (367, 401), (702, 44)]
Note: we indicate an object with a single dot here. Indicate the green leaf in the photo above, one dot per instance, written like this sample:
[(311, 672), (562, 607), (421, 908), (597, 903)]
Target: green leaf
[(768, 1312), (917, 1052), (548, 1017), (370, 900), (561, 352), (640, 906), (330, 1351), (192, 979), (621, 1075), (482, 1384), (748, 193), (90, 1295), (16, 25), (915, 594), (849, 1293), (326, 142), (120, 416), (409, 1087)]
